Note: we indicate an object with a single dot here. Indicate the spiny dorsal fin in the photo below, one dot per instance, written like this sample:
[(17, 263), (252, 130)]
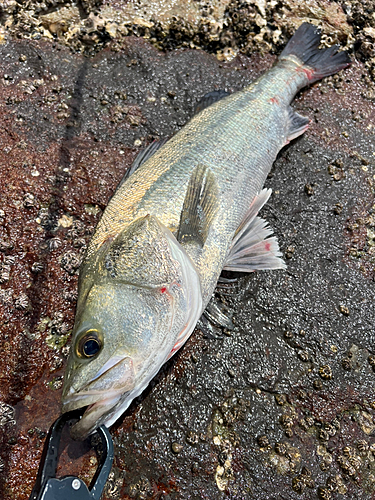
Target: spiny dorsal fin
[(199, 207), (146, 153), (142, 157), (208, 99), (298, 124)]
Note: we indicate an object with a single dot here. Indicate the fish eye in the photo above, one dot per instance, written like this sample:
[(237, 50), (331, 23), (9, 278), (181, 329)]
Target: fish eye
[(89, 345)]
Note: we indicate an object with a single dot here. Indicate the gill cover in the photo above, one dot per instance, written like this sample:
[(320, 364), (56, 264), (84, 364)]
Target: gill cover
[(138, 303)]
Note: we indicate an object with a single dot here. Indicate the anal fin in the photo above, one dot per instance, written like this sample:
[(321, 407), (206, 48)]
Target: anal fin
[(252, 247), (298, 124)]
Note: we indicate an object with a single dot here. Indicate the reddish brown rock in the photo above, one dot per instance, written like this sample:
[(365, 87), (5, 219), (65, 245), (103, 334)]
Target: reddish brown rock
[(69, 126)]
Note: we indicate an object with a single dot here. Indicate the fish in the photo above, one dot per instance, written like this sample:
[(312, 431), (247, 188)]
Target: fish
[(187, 209)]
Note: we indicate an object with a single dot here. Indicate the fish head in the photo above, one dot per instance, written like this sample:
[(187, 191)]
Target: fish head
[(136, 299)]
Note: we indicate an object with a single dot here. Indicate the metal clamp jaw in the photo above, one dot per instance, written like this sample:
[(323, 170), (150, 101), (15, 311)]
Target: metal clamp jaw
[(48, 487)]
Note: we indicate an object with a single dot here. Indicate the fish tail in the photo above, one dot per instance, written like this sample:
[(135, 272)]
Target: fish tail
[(316, 63)]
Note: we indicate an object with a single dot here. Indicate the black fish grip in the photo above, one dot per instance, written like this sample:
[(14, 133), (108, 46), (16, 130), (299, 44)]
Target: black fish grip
[(48, 487)]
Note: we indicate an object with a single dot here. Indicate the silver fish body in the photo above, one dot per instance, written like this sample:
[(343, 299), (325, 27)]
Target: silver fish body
[(238, 139), (185, 214)]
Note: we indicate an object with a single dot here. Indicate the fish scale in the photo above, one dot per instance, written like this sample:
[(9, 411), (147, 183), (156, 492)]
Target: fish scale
[(187, 211), (240, 126)]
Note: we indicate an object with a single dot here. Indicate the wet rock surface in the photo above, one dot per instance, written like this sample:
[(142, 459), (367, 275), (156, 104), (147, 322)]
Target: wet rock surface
[(283, 406)]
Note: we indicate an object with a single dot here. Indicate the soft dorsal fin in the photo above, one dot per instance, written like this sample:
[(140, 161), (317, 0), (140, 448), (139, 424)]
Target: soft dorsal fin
[(298, 124), (252, 248), (199, 207), (208, 99)]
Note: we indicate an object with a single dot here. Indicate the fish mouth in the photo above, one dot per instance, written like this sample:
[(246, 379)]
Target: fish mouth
[(95, 415), (90, 400), (100, 396)]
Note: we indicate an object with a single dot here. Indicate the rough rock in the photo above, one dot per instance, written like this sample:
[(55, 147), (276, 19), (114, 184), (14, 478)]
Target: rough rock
[(285, 403)]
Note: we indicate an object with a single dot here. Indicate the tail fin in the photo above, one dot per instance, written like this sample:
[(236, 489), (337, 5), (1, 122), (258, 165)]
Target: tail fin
[(319, 62)]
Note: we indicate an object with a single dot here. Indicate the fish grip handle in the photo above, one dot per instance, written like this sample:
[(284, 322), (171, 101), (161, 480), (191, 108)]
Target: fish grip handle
[(48, 487)]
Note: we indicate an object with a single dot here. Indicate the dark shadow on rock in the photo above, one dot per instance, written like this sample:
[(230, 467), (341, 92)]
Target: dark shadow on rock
[(73, 128)]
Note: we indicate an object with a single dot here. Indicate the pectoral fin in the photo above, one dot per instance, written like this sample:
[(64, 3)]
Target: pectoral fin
[(252, 248), (199, 207)]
